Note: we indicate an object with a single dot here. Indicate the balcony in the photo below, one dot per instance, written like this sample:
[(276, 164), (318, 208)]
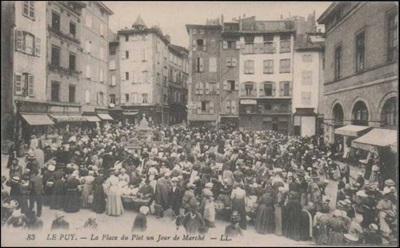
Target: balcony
[(61, 35), (59, 69), (259, 48)]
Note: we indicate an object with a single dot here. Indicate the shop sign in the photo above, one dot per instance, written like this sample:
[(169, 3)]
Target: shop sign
[(33, 108), (248, 102), (71, 109)]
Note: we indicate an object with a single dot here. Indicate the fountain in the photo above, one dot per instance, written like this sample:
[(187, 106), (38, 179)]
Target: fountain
[(144, 131)]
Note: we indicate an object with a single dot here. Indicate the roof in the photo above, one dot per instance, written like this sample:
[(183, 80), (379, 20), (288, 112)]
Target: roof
[(303, 42), (145, 31), (327, 12), (139, 22), (104, 7), (179, 49), (188, 26)]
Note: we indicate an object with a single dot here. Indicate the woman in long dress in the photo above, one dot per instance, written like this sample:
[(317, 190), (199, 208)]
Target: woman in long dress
[(58, 193), (292, 216), (265, 220), (73, 195), (238, 203), (99, 196), (87, 189), (336, 229), (385, 206), (279, 202), (114, 203)]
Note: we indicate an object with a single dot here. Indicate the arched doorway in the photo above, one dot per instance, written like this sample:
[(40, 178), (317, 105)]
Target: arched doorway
[(338, 115), (389, 113), (360, 114)]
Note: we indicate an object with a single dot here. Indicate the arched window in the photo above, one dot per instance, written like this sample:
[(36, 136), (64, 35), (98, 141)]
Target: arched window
[(338, 114), (389, 112), (360, 114)]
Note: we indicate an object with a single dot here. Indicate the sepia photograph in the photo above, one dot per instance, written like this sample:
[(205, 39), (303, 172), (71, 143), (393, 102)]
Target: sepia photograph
[(201, 124)]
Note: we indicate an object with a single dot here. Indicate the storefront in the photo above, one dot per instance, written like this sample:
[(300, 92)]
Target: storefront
[(349, 133), (130, 117), (305, 122)]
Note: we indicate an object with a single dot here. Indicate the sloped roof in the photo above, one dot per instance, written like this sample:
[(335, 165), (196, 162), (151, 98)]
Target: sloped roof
[(139, 22), (303, 42)]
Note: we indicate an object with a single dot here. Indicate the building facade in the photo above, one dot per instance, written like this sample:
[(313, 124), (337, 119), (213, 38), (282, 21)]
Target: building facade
[(147, 76), (178, 74), (361, 75), (94, 94), (114, 78), (23, 62), (229, 62), (204, 68), (308, 85), (266, 74)]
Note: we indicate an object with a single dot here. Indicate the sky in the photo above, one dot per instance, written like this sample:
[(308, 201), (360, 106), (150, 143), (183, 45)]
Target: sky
[(173, 16)]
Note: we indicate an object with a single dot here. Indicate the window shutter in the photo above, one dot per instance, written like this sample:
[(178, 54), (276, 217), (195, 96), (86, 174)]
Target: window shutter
[(251, 65), (139, 98), (227, 107), (87, 46), (218, 87), (149, 98), (201, 65), (98, 98), (234, 62), (211, 108), (228, 62), (236, 85), (101, 75), (262, 92), (204, 46), (112, 65), (201, 89), (194, 45), (290, 88), (207, 88), (101, 29), (87, 96), (242, 90), (281, 87), (113, 80), (198, 107), (18, 84), (225, 86), (37, 46), (144, 55), (225, 45), (273, 89), (18, 40), (233, 107), (101, 53), (134, 97), (87, 71), (31, 85)]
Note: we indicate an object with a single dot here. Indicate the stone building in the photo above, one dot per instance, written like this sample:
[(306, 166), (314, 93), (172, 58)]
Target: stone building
[(361, 69)]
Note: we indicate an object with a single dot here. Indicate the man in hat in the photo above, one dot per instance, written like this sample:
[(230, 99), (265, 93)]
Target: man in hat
[(372, 235), (36, 188), (193, 221), (31, 161), (163, 188), (345, 172), (359, 181), (32, 222), (59, 223), (189, 197), (15, 169), (175, 197)]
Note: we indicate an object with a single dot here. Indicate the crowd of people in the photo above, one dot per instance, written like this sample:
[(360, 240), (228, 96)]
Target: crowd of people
[(273, 181)]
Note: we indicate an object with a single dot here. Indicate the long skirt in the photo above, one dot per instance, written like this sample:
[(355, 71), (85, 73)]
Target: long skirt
[(335, 238), (278, 221), (114, 202), (239, 205), (321, 235), (58, 195), (72, 200), (99, 200), (86, 192), (265, 220)]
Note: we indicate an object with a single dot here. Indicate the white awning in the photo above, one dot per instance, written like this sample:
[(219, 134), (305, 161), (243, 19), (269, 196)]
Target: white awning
[(92, 118), (105, 117), (130, 113), (351, 130), (376, 137), (38, 120)]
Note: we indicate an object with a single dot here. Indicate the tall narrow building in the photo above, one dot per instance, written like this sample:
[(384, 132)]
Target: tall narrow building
[(95, 37), (204, 69), (23, 70)]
